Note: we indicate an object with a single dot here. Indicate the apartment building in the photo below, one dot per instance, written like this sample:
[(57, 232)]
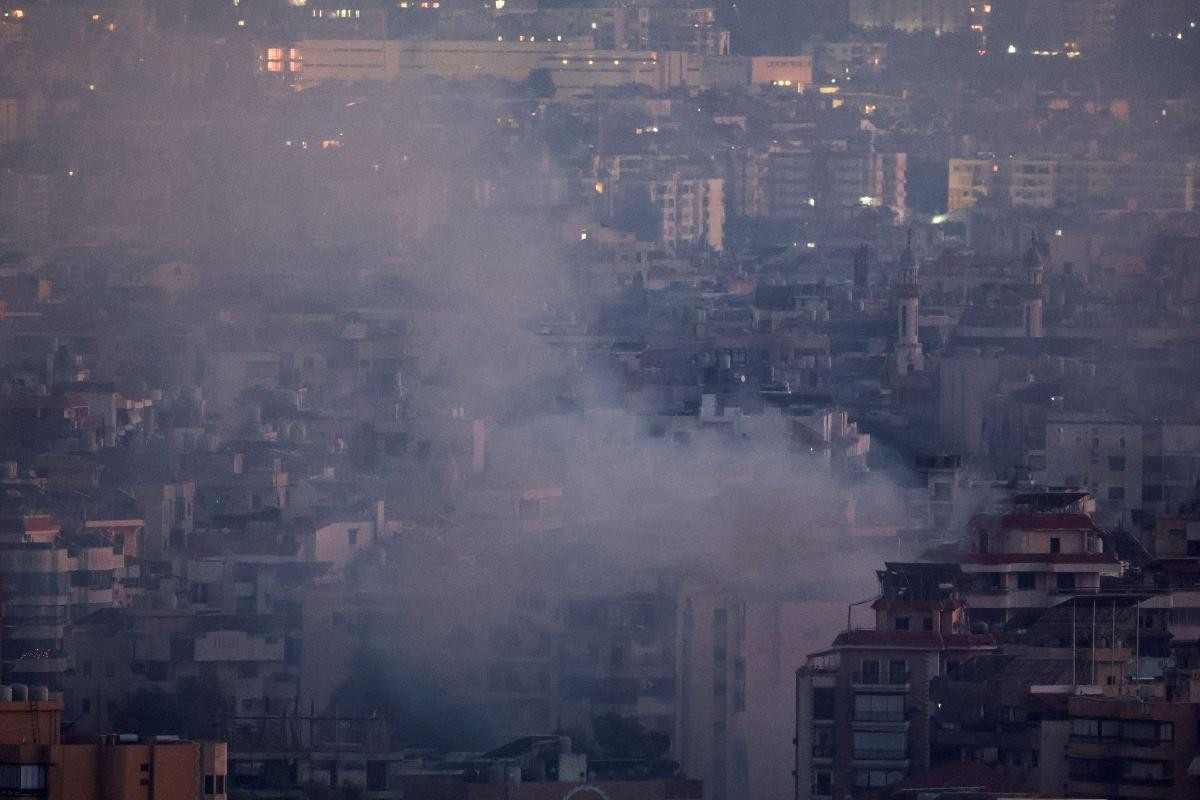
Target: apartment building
[(1044, 548), (1160, 187), (910, 16), (50, 580), (39, 763), (862, 706), (1124, 747)]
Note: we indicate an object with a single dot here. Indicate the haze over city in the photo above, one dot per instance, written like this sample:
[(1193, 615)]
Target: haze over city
[(599, 399)]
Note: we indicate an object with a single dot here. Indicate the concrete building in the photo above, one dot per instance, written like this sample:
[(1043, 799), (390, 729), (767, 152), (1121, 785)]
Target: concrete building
[(910, 16), (849, 58), (50, 580), (38, 762), (1124, 747), (788, 71), (1045, 549), (1160, 187), (862, 706)]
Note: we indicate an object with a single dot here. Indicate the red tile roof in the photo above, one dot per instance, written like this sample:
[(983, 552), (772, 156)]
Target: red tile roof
[(1038, 558), (1034, 522), (961, 775), (915, 640)]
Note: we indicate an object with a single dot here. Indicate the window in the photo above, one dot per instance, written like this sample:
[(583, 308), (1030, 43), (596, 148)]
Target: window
[(901, 623), (927, 624), (85, 705), (870, 671), (823, 702), (1116, 463), (377, 774), (1065, 581), (1026, 580), (1055, 544), (897, 671), (879, 707), (1116, 493), (822, 784), (869, 778), (880, 745), (352, 537)]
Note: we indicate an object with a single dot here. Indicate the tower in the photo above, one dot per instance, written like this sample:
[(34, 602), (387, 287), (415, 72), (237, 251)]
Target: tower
[(1031, 295), (909, 356)]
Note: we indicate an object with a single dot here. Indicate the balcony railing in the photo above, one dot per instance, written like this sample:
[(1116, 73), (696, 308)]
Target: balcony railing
[(880, 716), (879, 755), (880, 678), (819, 751)]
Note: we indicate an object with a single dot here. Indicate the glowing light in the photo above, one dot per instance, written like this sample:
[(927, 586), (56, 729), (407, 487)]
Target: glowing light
[(95, 17), (1012, 49), (70, 173), (812, 201), (594, 26), (241, 23), (1058, 232), (91, 87), (500, 5), (866, 200), (811, 245), (583, 235), (599, 187), (566, 61), (18, 13)]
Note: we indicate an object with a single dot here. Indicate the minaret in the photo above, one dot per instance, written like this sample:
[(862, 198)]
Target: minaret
[(1031, 296), (909, 357)]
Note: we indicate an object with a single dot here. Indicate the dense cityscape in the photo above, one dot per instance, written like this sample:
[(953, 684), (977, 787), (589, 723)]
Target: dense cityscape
[(599, 399)]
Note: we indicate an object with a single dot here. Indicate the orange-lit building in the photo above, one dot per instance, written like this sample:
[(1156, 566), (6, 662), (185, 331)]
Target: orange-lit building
[(35, 761)]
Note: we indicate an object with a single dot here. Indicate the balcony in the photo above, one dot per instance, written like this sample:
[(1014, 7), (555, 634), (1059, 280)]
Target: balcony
[(880, 755), (880, 716), (898, 681), (822, 752)]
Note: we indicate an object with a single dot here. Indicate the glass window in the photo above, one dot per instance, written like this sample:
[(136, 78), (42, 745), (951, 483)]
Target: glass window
[(880, 745), (879, 707)]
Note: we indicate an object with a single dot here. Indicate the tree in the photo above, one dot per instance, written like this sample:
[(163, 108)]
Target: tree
[(541, 83)]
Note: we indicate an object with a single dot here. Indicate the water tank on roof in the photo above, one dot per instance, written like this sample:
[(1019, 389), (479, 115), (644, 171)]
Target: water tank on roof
[(20, 691), (6, 694), (39, 693)]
